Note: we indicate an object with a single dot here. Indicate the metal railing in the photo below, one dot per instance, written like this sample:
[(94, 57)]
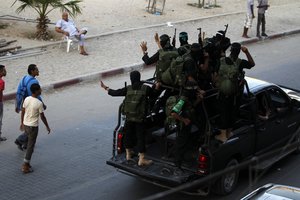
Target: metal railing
[(246, 164), (22, 19)]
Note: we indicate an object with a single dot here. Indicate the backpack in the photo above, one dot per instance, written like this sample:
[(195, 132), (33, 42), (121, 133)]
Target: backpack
[(228, 77), (174, 75), (23, 91), (164, 61), (134, 104)]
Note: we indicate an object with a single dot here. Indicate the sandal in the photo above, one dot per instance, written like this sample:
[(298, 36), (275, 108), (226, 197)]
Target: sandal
[(84, 53)]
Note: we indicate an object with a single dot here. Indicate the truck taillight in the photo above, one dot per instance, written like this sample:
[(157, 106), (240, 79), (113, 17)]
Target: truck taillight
[(119, 143), (202, 164), (202, 158)]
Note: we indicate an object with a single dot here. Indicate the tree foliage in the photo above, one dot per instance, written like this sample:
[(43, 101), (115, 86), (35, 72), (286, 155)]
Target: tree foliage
[(44, 7)]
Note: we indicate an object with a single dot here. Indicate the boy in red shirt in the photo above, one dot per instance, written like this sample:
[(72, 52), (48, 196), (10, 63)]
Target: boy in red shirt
[(2, 87)]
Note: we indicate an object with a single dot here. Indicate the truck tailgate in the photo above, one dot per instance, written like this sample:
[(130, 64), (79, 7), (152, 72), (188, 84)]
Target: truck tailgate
[(158, 171)]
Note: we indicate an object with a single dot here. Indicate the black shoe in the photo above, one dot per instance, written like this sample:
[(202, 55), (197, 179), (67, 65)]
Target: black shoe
[(264, 34), (24, 147), (19, 145), (259, 37)]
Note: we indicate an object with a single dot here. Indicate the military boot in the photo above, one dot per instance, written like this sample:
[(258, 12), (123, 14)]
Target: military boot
[(222, 137), (143, 161), (129, 154), (229, 134)]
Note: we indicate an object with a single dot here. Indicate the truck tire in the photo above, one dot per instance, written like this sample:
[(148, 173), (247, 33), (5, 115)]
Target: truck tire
[(227, 183)]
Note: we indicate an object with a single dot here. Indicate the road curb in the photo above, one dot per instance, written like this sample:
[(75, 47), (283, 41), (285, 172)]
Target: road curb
[(85, 78), (138, 28), (131, 67), (270, 37)]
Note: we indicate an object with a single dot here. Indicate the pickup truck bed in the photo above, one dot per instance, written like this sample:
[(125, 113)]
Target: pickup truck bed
[(252, 136)]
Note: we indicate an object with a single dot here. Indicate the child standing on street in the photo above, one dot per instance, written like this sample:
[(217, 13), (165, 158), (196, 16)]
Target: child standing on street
[(31, 110), (2, 87)]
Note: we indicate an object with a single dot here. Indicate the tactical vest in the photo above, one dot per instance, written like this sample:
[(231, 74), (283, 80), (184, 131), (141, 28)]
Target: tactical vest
[(228, 77), (187, 46), (174, 75), (164, 61), (134, 105)]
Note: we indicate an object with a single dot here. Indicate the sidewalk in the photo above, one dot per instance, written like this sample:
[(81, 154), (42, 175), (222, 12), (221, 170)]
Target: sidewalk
[(103, 16), (113, 51)]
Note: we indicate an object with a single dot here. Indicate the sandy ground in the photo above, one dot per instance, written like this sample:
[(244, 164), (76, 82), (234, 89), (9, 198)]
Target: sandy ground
[(117, 50), (103, 16)]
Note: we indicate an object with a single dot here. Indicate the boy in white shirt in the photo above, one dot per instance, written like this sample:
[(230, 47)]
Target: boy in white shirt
[(31, 110)]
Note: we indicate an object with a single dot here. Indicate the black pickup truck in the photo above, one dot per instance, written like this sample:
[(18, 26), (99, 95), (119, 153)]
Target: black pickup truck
[(269, 118)]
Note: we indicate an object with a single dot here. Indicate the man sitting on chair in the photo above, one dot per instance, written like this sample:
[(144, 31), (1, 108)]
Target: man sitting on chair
[(67, 27)]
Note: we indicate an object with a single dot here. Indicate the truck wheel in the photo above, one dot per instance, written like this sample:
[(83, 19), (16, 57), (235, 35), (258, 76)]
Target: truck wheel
[(227, 183)]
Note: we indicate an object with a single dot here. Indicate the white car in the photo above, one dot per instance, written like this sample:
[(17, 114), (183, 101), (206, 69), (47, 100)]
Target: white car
[(274, 192)]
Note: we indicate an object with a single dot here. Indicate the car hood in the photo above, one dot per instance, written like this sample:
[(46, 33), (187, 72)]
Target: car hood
[(274, 192), (272, 197), (292, 94), (280, 192)]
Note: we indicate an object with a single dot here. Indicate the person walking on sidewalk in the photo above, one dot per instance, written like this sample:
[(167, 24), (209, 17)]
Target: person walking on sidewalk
[(31, 110), (23, 92), (2, 87), (261, 19), (249, 18)]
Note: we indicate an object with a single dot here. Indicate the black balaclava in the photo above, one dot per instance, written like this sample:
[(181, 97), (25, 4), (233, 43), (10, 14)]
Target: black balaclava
[(220, 35), (190, 90), (164, 40), (135, 77), (196, 52), (183, 38), (235, 50)]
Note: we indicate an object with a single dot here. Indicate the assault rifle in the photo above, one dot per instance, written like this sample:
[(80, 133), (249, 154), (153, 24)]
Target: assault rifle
[(225, 41), (151, 82), (200, 37), (174, 39), (225, 31)]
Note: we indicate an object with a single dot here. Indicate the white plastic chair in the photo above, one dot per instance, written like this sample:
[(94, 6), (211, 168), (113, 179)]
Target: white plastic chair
[(70, 42)]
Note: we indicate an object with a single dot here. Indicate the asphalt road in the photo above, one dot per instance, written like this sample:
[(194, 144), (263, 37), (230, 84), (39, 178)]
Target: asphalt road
[(70, 162)]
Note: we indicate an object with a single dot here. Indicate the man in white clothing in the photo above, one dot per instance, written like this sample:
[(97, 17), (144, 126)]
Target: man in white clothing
[(67, 27), (249, 17)]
